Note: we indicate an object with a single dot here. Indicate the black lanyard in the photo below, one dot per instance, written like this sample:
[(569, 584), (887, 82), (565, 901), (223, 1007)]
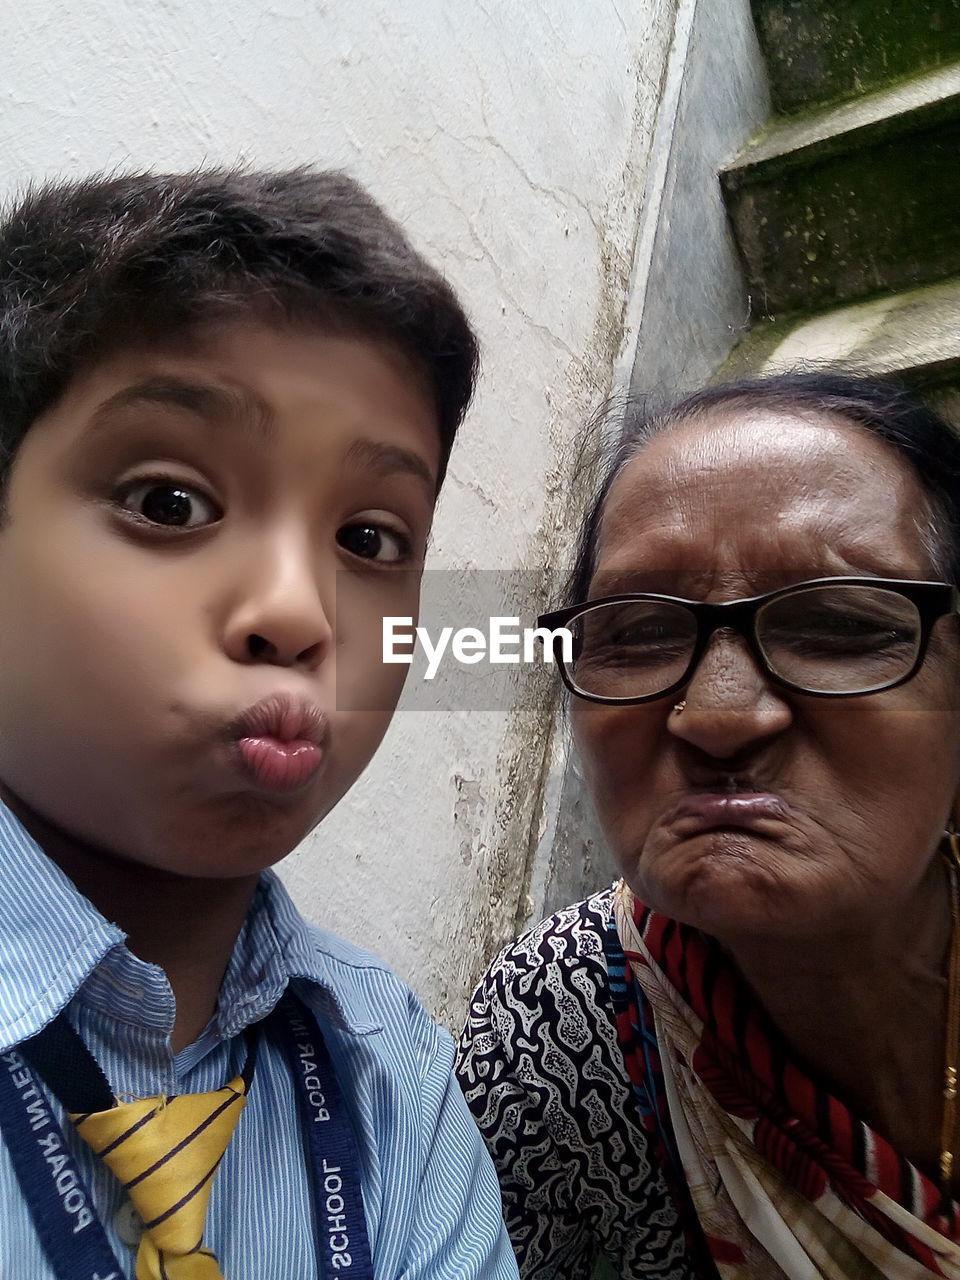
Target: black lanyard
[(59, 1201)]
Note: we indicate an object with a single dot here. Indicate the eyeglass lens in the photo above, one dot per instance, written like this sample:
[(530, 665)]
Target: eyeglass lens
[(827, 639)]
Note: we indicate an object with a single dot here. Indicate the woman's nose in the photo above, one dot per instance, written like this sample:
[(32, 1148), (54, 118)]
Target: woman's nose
[(282, 615), (729, 703)]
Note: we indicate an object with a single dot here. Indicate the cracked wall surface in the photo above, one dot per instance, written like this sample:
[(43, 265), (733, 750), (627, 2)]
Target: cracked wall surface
[(687, 306), (513, 141)]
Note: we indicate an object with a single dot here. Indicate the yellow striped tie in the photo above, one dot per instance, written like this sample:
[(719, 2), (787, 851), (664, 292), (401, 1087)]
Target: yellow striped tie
[(166, 1151)]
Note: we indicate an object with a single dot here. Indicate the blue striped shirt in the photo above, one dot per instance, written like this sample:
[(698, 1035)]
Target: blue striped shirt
[(430, 1195)]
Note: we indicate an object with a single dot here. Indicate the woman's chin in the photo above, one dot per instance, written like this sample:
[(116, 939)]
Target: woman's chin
[(728, 882)]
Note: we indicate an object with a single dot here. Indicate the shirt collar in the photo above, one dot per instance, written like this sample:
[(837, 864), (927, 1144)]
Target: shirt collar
[(52, 936), (332, 970), (54, 939)]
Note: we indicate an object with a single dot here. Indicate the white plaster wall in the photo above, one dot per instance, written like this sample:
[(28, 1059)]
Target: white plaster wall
[(687, 306), (511, 136)]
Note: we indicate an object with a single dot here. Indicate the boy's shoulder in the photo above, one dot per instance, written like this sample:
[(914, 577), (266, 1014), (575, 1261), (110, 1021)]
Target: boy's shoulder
[(311, 944), (348, 957), (352, 971), (357, 989)]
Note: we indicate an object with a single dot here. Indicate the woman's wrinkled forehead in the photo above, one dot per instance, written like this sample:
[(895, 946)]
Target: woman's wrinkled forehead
[(765, 491)]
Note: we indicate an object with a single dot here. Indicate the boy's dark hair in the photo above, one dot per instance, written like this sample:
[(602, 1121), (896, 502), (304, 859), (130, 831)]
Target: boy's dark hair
[(88, 266), (881, 405)]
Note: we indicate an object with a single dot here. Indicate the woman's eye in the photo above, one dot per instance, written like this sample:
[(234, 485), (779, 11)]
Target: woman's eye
[(173, 506), (371, 541)]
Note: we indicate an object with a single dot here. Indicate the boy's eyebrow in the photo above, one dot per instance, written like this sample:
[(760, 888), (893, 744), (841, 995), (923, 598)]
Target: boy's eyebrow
[(213, 404), (203, 399), (386, 459)]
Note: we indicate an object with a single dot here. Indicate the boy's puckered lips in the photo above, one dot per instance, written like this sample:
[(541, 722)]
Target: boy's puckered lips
[(280, 741)]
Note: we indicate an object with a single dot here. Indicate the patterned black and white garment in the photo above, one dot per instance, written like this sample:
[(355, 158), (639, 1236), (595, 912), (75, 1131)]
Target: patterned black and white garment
[(543, 1069)]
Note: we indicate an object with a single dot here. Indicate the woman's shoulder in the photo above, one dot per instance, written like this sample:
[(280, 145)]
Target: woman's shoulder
[(573, 933), (565, 951), (544, 1004), (544, 1074)]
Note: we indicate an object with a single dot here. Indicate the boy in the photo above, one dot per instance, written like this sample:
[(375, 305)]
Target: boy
[(226, 405)]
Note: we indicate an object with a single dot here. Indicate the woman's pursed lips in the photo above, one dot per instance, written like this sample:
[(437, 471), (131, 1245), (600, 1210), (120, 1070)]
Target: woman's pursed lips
[(707, 809)]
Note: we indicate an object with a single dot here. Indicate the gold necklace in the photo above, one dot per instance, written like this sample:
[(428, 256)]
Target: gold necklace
[(951, 1075)]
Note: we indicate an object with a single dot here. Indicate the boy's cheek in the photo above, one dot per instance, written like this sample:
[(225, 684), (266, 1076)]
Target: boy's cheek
[(368, 689), (371, 662)]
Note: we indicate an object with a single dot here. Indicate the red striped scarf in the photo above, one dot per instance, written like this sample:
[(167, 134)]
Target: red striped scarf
[(733, 1055)]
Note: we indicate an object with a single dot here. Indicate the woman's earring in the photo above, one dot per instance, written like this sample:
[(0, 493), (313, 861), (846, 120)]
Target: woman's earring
[(679, 709), (953, 839)]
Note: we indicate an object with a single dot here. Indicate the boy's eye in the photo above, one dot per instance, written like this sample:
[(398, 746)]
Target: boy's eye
[(371, 541), (172, 505)]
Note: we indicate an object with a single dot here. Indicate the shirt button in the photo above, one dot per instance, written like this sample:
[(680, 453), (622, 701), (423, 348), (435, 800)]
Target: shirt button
[(129, 1224)]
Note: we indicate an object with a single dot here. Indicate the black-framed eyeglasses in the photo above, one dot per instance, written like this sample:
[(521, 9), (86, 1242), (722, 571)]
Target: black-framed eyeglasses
[(829, 637)]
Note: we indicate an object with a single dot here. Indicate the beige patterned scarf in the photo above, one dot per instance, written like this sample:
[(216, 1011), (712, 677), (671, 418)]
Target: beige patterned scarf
[(775, 1195)]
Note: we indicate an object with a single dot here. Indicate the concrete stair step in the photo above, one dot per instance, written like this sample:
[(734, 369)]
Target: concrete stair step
[(915, 335), (852, 200), (821, 51)]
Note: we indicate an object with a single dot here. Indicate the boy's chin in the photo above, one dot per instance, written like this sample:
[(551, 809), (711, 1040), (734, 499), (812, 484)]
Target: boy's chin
[(249, 839), (237, 837)]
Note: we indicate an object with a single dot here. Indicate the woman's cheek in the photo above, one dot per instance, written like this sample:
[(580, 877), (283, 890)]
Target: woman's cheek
[(616, 753)]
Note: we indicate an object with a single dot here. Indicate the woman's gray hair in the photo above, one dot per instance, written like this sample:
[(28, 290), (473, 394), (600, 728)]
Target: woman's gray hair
[(881, 405)]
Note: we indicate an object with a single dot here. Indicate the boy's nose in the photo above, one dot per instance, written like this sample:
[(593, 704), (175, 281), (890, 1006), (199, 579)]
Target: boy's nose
[(262, 649), (281, 617)]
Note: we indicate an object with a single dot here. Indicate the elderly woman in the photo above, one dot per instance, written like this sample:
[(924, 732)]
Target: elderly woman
[(742, 1059)]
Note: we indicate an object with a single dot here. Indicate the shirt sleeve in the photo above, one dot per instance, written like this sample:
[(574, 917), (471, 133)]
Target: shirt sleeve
[(543, 1071), (549, 1235), (458, 1229)]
